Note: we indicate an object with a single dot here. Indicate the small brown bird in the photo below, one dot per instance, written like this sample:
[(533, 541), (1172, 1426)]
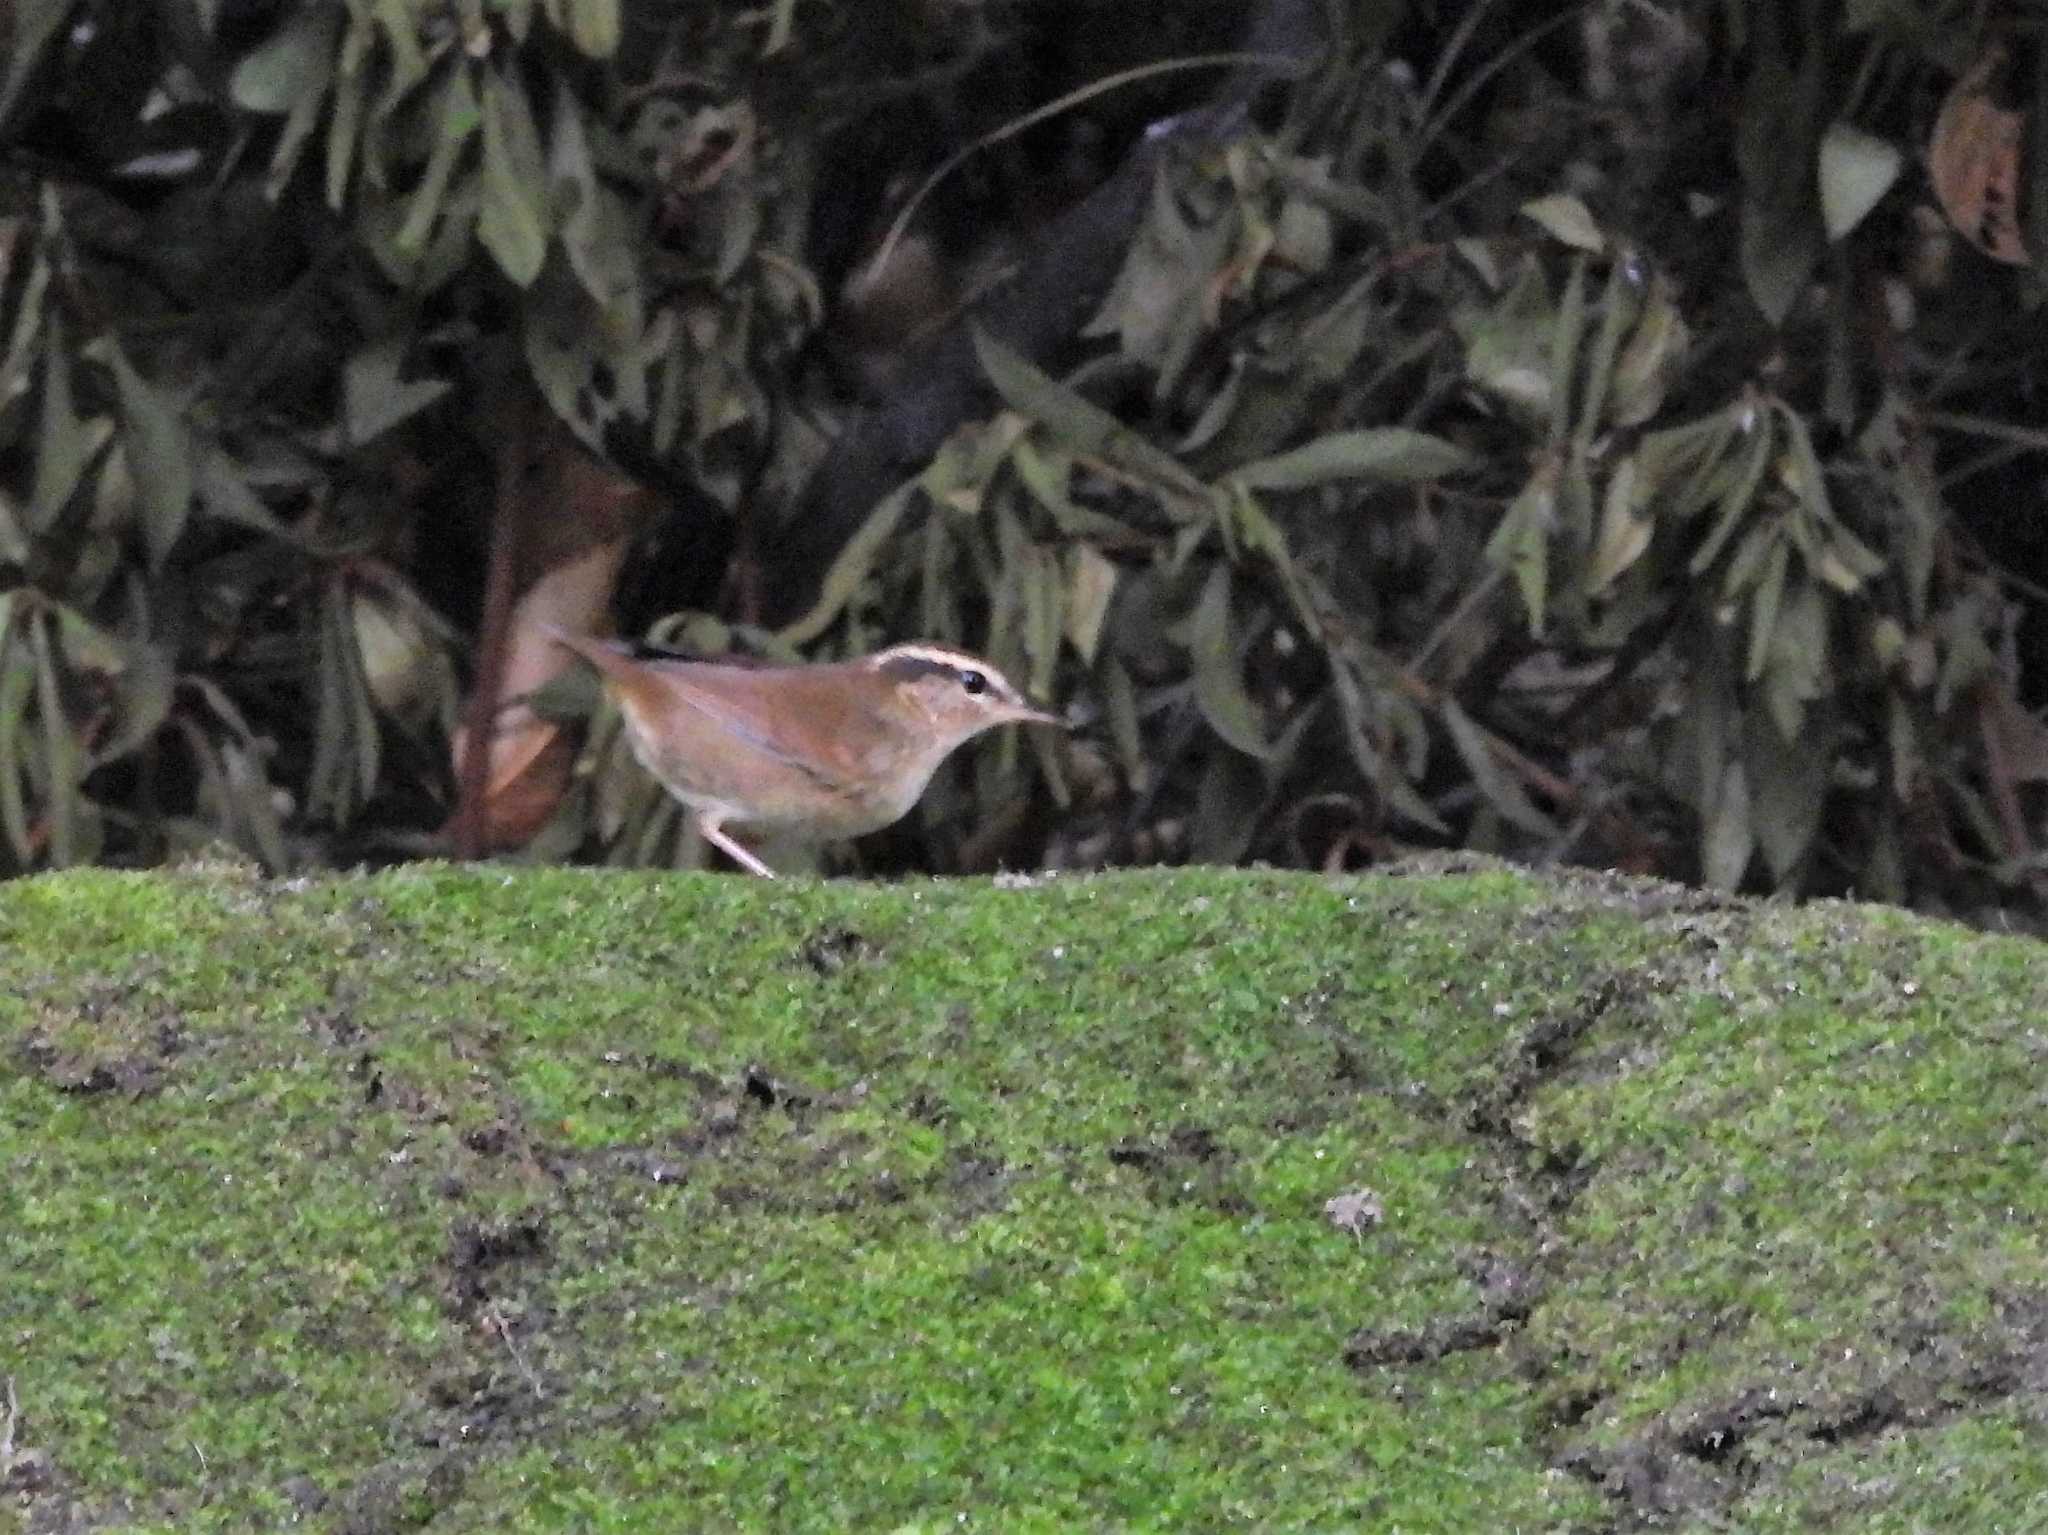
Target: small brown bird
[(831, 750)]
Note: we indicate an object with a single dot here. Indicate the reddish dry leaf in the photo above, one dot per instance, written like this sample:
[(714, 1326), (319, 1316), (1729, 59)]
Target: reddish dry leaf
[(1974, 161)]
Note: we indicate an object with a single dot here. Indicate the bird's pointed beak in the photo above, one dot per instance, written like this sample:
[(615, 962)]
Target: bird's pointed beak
[(1038, 717)]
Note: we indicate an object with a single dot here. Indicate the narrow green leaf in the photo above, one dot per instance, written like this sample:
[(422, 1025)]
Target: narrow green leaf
[(1219, 679), (1046, 473), (364, 732), (460, 118), (408, 61), (1225, 523), (1789, 785), (147, 679), (518, 16), (1393, 786), (13, 532), (1564, 349), (211, 800), (1648, 361), (1079, 424), (1920, 527), (17, 678), (1778, 123), (1508, 353), (1809, 482), (28, 323), (1617, 309), (597, 236), (62, 756), (1500, 789), (1576, 516), (1752, 553), (1703, 732), (246, 794), (1801, 663), (1259, 534), (1392, 455), (1044, 594), (1679, 462), (1182, 550), (1154, 306), (351, 100), (1327, 348), (1763, 607), (85, 644), (374, 396), (1727, 840), (938, 598), (1902, 742), (677, 361), (992, 573), (1230, 802), (1741, 485), (1120, 700), (66, 443), (1220, 408), (295, 63), (1846, 562), (1624, 531), (327, 783), (160, 452), (1521, 543), (1567, 219), (224, 492), (64, 446), (595, 26), (558, 356), (1856, 170), (1052, 766), (850, 569), (1091, 583), (738, 235), (298, 131), (35, 24), (512, 222)]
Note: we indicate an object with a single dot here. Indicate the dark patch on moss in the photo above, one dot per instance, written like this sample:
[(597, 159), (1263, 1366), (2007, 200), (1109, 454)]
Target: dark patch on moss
[(764, 1088), (1188, 1164), (832, 949), (477, 1251), (1370, 1347), (87, 1066)]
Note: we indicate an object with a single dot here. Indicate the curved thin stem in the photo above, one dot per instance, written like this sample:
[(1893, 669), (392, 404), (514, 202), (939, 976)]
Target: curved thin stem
[(1283, 65)]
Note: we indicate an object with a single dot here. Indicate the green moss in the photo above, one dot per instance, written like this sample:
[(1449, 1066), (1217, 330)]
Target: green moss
[(565, 1200)]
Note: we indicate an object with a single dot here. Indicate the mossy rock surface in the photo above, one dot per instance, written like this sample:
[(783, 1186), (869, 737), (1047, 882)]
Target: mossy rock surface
[(489, 1199)]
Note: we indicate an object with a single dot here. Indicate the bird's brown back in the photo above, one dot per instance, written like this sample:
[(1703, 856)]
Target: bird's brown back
[(790, 744)]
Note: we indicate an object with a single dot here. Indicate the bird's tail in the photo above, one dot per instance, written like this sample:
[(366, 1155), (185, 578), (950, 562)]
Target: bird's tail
[(606, 657), (630, 680)]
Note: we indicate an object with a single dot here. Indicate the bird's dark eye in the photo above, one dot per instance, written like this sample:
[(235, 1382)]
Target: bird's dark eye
[(974, 682)]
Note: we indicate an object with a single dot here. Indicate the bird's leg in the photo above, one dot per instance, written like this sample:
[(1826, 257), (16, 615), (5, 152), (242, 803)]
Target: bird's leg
[(714, 834)]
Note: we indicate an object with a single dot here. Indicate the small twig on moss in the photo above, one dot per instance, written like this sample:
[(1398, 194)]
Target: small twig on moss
[(495, 1321)]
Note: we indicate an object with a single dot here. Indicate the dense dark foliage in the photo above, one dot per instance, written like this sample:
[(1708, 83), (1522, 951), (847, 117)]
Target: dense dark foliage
[(1571, 431)]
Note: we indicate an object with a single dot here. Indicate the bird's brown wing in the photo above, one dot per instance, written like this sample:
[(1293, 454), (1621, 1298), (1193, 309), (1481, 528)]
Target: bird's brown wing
[(800, 719)]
